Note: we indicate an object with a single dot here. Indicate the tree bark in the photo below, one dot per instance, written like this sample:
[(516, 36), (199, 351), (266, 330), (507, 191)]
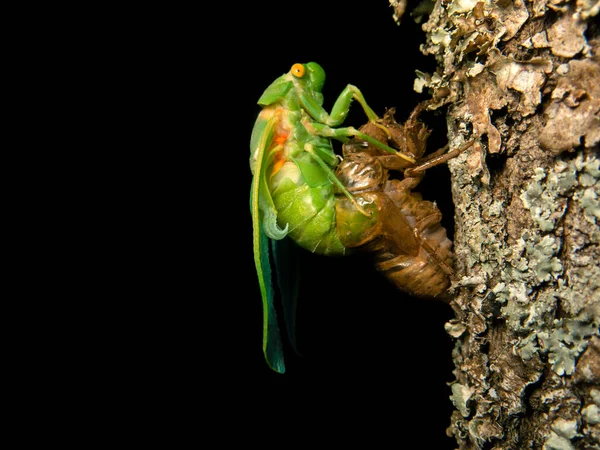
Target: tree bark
[(522, 79)]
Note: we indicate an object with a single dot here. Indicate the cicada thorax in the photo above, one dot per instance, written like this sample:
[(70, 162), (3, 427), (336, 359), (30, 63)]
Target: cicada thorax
[(302, 192), (404, 234)]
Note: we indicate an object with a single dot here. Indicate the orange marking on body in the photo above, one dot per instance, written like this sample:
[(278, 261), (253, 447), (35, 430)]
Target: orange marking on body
[(281, 138), (279, 162)]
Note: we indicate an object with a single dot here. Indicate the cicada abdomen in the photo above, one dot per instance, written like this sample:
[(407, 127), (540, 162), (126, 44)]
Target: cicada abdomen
[(404, 234), (300, 189)]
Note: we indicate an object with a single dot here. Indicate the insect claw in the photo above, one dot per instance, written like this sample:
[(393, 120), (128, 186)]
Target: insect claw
[(360, 208), (406, 157), (384, 128), (362, 211)]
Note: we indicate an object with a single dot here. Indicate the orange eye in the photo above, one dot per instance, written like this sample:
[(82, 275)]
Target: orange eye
[(298, 70)]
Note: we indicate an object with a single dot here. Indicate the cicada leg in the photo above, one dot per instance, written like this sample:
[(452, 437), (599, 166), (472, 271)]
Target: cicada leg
[(438, 157), (342, 105), (309, 148), (346, 132), (326, 122)]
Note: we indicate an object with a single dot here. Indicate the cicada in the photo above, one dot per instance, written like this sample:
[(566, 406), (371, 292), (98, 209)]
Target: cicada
[(296, 193), (293, 163)]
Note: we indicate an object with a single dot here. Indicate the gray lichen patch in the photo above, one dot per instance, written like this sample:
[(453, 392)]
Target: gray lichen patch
[(541, 195), (565, 343), (535, 263), (589, 197)]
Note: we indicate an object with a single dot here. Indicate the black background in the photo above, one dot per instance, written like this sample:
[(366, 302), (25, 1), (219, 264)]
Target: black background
[(375, 363)]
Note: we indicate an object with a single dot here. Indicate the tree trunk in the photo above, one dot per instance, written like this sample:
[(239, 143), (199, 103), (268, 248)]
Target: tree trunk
[(522, 79)]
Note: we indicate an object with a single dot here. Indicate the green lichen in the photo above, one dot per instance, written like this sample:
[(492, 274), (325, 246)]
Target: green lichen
[(566, 342), (562, 343), (591, 166), (590, 204), (540, 253), (535, 262), (589, 178), (528, 347), (540, 196)]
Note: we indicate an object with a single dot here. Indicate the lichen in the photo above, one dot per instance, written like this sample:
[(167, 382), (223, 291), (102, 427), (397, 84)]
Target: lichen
[(535, 262), (521, 80), (591, 414), (563, 431), (496, 79), (556, 442), (589, 202), (531, 281), (454, 328), (460, 396), (566, 342), (595, 394)]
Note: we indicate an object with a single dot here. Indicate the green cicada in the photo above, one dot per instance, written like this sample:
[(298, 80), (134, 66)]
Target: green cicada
[(292, 195)]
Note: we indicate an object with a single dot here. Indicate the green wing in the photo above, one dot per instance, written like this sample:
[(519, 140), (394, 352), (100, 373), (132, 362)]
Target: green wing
[(272, 347), (285, 256)]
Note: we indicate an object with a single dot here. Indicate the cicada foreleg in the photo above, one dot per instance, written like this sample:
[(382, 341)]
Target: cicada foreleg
[(342, 105), (325, 123)]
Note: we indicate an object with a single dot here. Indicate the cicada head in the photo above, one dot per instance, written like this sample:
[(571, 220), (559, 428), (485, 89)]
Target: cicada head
[(316, 75), (310, 78)]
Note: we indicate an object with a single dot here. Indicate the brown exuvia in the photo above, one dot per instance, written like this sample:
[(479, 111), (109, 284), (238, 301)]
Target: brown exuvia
[(403, 234)]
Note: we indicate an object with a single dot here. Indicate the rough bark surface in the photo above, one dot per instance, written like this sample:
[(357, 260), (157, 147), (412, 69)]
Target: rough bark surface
[(522, 78)]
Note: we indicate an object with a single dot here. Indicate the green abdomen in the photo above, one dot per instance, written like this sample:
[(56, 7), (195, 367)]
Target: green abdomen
[(310, 214)]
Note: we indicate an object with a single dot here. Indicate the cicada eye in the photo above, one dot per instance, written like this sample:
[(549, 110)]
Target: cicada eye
[(298, 70)]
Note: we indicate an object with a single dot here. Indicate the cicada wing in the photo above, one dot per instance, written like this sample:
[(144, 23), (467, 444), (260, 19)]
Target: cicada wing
[(272, 347), (285, 256)]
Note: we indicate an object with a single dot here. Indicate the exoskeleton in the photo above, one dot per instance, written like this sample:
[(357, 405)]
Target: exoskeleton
[(403, 232)]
